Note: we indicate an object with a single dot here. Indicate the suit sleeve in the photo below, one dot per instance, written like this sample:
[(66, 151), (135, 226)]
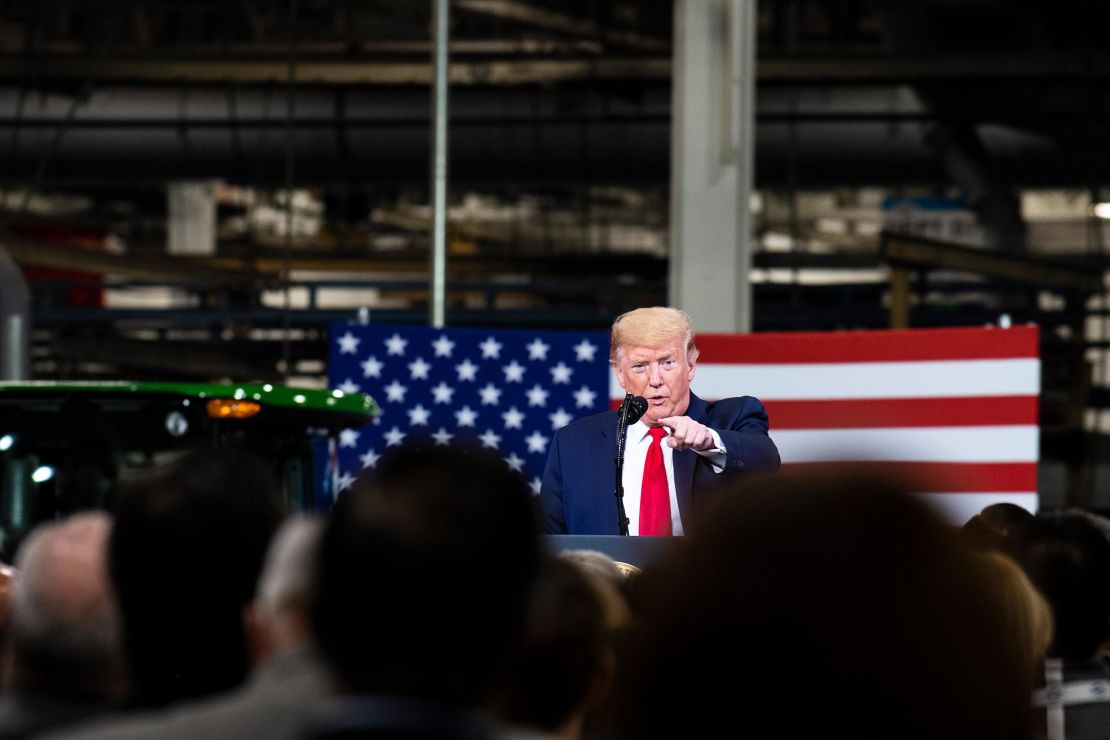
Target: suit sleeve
[(551, 491), (742, 424)]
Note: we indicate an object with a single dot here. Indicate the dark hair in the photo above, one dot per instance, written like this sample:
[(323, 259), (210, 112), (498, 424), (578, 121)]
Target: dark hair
[(802, 606), (1068, 559), (987, 530), (562, 652), (425, 572), (184, 555)]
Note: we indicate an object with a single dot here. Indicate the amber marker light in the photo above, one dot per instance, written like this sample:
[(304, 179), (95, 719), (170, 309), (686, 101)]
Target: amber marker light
[(226, 408)]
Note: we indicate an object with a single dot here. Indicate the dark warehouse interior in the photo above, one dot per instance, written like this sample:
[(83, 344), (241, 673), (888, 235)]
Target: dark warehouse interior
[(958, 147)]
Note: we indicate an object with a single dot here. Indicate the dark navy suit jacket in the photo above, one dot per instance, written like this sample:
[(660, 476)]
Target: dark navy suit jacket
[(578, 483)]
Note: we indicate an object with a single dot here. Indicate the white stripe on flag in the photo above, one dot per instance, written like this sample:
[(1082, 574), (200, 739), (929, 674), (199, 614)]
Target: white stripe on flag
[(957, 508), (1018, 443), (946, 378)]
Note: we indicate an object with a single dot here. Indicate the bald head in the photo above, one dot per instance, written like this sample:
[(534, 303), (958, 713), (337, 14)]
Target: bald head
[(65, 628), (63, 569)]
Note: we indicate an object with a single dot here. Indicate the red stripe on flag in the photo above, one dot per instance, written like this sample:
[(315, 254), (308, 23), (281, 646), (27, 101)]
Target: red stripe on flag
[(936, 477), (870, 346), (902, 412)]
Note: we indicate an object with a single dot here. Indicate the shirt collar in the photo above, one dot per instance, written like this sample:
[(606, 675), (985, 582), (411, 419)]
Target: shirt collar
[(639, 430)]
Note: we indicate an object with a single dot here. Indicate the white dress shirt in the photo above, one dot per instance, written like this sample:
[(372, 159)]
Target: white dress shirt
[(637, 442)]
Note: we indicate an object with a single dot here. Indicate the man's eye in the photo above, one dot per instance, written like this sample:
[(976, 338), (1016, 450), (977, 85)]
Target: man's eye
[(639, 367), (669, 364)]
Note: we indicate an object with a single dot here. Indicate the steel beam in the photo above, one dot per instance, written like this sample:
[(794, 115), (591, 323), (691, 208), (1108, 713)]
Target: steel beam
[(175, 270), (337, 72), (531, 15), (251, 69), (907, 252)]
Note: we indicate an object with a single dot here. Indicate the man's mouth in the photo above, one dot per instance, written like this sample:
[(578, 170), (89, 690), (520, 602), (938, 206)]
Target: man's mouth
[(657, 400)]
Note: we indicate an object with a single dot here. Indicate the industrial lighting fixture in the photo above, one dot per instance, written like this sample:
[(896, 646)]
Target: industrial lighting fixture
[(42, 474), (1101, 210), (6, 442)]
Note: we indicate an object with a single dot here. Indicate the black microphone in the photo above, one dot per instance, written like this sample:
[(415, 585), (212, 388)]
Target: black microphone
[(630, 412), (637, 407)]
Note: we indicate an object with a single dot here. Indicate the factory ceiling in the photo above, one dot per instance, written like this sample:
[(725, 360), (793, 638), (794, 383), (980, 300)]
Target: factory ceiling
[(546, 95)]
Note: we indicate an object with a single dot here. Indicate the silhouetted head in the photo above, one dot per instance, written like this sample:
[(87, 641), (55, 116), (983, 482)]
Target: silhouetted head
[(988, 529), (425, 573), (185, 555), (809, 606), (561, 667), (1068, 559)]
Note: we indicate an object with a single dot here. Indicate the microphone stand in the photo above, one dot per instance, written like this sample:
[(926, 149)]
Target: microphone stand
[(622, 431)]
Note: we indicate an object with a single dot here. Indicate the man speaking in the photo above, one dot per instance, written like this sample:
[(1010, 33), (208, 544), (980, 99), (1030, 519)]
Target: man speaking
[(674, 452)]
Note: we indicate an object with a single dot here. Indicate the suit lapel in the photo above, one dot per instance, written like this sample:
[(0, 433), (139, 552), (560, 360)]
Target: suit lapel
[(685, 461)]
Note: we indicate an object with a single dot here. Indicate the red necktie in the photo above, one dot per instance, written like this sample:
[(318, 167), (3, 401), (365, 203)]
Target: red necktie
[(655, 498)]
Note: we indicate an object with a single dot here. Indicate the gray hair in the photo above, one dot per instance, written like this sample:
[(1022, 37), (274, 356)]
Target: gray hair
[(289, 574)]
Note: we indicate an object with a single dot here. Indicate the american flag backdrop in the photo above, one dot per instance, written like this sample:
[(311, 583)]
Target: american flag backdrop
[(957, 408), (507, 390)]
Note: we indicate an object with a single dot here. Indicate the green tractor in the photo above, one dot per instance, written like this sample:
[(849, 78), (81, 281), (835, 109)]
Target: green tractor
[(65, 445)]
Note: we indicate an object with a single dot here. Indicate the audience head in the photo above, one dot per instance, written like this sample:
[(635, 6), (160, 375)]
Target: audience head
[(988, 529), (803, 606), (1027, 617), (185, 556), (65, 637), (1068, 559), (1102, 524), (280, 618), (425, 573), (564, 665), (607, 581)]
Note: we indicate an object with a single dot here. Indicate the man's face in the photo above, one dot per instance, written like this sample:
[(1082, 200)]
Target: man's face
[(661, 374)]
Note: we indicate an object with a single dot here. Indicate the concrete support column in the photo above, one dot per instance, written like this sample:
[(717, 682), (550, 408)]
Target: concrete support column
[(713, 123)]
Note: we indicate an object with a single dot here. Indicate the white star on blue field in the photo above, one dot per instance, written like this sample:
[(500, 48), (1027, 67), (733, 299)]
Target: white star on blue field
[(506, 390)]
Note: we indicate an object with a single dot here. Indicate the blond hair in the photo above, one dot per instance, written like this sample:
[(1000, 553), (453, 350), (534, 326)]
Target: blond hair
[(652, 327), (605, 577), (1029, 618)]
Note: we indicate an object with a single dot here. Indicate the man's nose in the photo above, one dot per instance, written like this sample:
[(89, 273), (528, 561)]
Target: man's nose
[(656, 376)]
